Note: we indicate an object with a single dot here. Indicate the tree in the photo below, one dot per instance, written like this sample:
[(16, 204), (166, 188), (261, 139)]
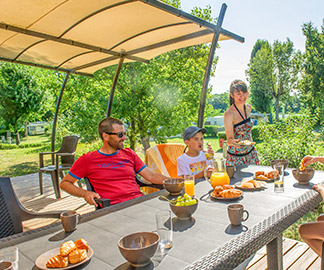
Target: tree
[(19, 96), (272, 72), (260, 75), (219, 101), (312, 84)]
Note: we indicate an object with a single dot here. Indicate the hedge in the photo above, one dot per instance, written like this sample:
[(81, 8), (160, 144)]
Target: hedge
[(4, 146), (212, 131)]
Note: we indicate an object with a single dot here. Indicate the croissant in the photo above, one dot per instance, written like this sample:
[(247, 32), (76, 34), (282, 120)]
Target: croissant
[(228, 187), (247, 185), (259, 173), (77, 255), (66, 248), (302, 166), (81, 244), (261, 177), (231, 193), (57, 262), (272, 174)]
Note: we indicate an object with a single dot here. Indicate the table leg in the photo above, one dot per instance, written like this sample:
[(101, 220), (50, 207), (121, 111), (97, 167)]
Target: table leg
[(274, 254)]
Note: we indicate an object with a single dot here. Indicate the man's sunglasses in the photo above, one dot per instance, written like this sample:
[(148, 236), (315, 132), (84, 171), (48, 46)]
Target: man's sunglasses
[(119, 134)]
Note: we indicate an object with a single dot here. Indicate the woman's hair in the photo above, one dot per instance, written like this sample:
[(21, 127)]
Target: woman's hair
[(105, 125), (238, 85)]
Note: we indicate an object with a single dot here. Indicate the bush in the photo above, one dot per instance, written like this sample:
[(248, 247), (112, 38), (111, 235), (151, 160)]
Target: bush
[(221, 135), (4, 146), (256, 133), (210, 131), (290, 139)]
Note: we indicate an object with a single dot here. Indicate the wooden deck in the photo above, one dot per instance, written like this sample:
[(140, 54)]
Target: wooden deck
[(297, 255)]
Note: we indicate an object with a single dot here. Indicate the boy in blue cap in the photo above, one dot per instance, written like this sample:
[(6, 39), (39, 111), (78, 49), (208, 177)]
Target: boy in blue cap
[(194, 161)]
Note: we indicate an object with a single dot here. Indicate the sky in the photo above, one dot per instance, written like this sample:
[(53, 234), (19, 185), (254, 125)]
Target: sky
[(253, 20)]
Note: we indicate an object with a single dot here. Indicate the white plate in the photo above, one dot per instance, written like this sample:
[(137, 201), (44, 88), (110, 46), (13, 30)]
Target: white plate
[(226, 199), (263, 186), (241, 143), (42, 259)]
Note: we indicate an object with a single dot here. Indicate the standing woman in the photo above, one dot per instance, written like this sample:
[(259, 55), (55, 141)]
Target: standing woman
[(238, 126)]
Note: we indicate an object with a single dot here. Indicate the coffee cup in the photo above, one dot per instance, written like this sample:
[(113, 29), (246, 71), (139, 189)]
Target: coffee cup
[(235, 214), (4, 265), (69, 220)]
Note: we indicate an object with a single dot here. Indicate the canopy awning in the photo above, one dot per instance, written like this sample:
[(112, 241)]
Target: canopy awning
[(82, 36)]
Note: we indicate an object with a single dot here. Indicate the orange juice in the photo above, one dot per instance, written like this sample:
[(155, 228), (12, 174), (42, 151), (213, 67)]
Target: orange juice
[(189, 186), (219, 179), (209, 155)]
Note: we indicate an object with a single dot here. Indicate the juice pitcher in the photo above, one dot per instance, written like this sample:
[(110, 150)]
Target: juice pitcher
[(216, 174)]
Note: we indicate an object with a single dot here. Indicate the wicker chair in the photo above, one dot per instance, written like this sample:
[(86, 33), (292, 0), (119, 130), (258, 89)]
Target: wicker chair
[(66, 152), (12, 213)]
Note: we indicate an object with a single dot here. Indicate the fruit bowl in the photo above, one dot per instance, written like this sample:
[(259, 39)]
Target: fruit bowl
[(184, 211), (303, 177), (173, 185), (279, 161), (138, 248)]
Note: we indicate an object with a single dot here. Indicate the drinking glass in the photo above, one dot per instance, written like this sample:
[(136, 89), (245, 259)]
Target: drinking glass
[(10, 254), (205, 149), (279, 182), (189, 185), (164, 229)]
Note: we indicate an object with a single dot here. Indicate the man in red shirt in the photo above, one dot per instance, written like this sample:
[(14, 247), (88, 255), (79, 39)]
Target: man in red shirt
[(111, 169)]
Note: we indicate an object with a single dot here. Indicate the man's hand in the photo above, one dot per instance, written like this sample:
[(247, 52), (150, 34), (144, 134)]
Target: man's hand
[(89, 197)]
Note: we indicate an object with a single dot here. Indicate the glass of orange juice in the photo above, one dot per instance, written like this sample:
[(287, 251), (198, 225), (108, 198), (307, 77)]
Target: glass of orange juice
[(189, 185)]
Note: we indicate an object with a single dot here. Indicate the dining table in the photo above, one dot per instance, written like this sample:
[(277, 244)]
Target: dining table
[(205, 241)]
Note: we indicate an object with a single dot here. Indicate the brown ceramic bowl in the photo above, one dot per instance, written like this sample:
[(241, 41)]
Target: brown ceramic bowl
[(138, 248), (173, 185), (303, 177), (184, 212), (279, 161)]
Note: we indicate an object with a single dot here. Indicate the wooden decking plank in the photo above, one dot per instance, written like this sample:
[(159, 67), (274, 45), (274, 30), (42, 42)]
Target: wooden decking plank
[(305, 260), (287, 245), (316, 265), (257, 257), (293, 255)]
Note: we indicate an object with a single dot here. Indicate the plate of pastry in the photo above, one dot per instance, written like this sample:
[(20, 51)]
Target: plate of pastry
[(251, 185), (69, 255), (268, 177), (226, 193), (243, 143)]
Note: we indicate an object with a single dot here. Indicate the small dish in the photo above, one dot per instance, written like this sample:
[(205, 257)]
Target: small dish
[(43, 258), (303, 177), (262, 186), (173, 185)]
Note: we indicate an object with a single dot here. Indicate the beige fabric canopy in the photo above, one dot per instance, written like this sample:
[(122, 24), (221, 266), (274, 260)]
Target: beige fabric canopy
[(82, 36)]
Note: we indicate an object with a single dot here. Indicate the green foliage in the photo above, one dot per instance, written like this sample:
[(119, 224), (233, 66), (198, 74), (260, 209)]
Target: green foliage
[(290, 139), (212, 131), (26, 145), (221, 135), (312, 84), (256, 133), (219, 102)]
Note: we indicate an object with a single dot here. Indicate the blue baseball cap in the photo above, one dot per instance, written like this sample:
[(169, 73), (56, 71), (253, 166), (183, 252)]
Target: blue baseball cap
[(192, 131)]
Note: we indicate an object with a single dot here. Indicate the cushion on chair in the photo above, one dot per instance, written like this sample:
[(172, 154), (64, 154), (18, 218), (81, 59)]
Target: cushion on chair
[(162, 158)]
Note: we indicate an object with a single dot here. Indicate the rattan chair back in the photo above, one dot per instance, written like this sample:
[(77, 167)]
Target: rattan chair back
[(12, 213)]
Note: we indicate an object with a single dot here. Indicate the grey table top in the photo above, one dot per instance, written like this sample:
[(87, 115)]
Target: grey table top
[(206, 241)]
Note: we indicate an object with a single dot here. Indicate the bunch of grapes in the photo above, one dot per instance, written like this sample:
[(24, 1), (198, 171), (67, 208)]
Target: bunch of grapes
[(185, 200)]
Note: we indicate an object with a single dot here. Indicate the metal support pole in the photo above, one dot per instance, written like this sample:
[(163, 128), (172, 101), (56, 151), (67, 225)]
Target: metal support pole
[(112, 91), (209, 65), (56, 113)]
